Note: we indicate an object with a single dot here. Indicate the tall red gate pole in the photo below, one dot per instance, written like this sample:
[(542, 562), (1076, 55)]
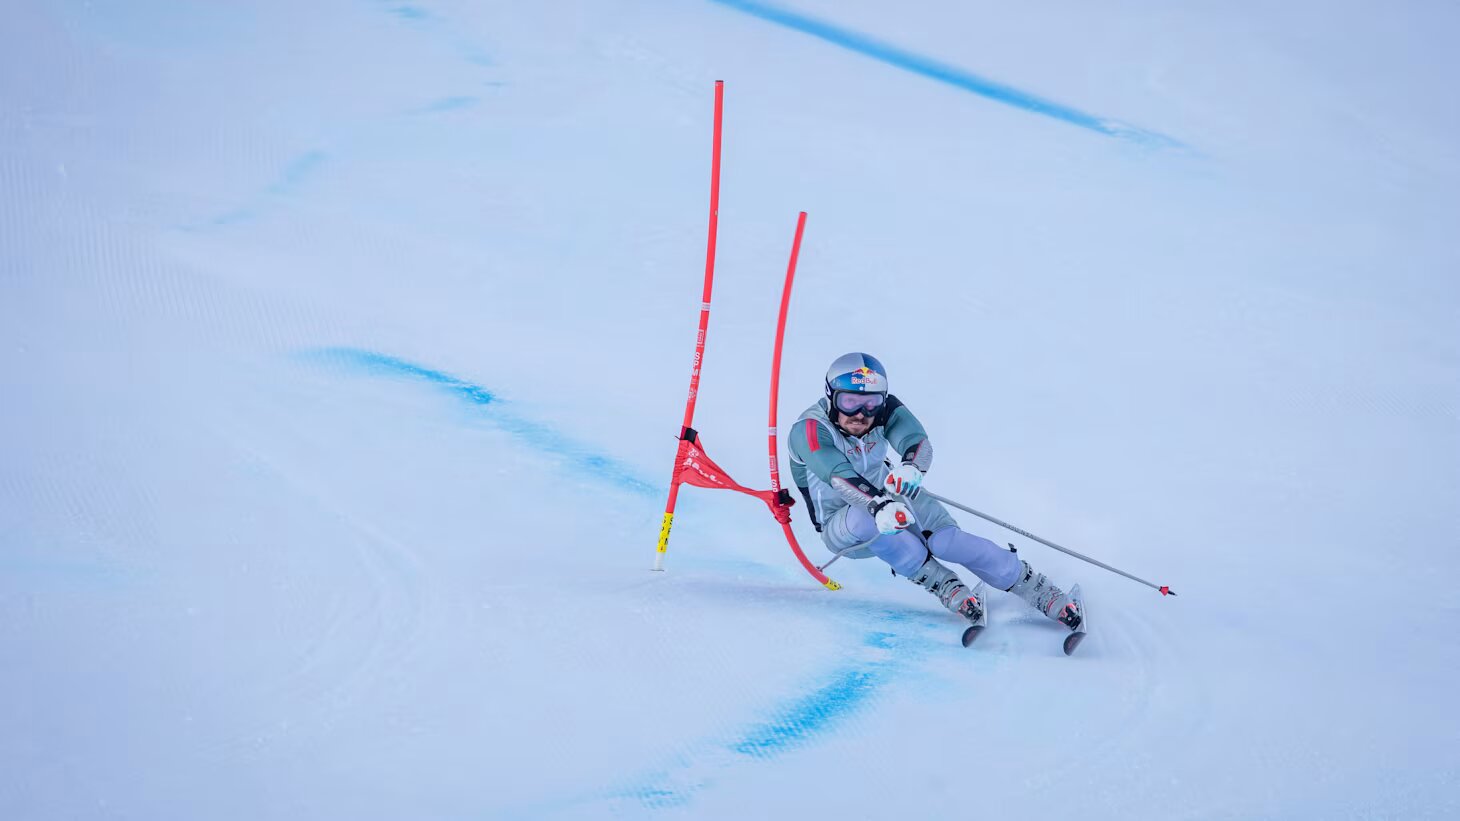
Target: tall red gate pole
[(685, 429), (773, 437)]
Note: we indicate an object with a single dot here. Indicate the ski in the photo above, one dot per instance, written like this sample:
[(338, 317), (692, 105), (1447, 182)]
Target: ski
[(1078, 634), (969, 635)]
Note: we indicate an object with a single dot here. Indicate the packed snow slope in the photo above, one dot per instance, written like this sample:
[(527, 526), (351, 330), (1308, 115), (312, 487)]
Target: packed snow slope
[(343, 346)]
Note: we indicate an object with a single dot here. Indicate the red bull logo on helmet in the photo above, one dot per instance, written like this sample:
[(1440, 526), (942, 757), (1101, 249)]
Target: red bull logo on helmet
[(864, 376)]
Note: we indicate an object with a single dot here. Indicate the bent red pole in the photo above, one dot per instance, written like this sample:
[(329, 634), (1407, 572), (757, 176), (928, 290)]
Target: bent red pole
[(1164, 590), (694, 374), (773, 438)]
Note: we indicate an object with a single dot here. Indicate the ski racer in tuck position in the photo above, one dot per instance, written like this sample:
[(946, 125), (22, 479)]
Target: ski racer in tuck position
[(862, 507)]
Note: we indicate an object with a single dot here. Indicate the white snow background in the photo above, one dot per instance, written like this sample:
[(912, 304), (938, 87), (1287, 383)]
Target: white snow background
[(343, 346)]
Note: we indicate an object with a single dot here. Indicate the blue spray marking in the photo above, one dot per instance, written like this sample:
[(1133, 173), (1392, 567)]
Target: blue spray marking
[(413, 13), (293, 176), (34, 572), (475, 55), (538, 435), (447, 104), (886, 656), (883, 659), (299, 169), (945, 73), (790, 726), (233, 217), (814, 712)]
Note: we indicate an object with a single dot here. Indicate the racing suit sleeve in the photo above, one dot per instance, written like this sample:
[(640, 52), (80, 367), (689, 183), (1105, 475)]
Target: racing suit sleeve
[(812, 445), (906, 437)]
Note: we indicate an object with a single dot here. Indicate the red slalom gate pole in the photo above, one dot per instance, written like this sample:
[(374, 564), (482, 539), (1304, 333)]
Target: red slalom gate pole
[(694, 374), (774, 445)]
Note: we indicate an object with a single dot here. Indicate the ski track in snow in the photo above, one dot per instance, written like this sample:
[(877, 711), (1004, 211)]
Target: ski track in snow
[(892, 641)]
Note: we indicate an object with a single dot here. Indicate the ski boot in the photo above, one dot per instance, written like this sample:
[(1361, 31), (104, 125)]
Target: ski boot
[(954, 594), (1043, 596)]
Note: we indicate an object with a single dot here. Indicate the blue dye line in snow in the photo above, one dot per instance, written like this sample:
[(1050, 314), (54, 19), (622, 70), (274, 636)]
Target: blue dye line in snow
[(410, 12), (846, 692), (790, 726), (233, 217), (425, 19), (886, 658), (34, 572), (477, 56), (295, 173), (933, 69), (814, 712), (447, 104), (536, 434)]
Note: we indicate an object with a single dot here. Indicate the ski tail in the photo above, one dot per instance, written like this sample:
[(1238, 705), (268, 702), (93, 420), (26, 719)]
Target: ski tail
[(980, 591), (1077, 635)]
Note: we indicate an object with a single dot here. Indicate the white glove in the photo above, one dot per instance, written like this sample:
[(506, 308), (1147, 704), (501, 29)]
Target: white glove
[(891, 516), (904, 481)]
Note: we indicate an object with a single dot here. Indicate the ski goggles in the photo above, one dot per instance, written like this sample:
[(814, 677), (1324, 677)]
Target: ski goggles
[(858, 404)]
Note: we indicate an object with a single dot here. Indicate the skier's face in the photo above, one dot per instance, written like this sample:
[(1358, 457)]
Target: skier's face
[(854, 425), (857, 411)]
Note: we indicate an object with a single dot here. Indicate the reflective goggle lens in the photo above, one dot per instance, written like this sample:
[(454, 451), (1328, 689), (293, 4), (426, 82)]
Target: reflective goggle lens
[(853, 404)]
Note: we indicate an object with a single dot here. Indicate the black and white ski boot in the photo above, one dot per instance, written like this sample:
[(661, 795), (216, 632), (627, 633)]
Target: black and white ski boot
[(1048, 599), (954, 595)]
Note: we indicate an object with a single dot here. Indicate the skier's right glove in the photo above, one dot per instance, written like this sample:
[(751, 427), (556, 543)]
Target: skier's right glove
[(891, 516)]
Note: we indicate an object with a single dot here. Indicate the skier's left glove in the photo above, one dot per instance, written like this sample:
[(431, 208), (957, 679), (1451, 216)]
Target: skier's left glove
[(904, 481)]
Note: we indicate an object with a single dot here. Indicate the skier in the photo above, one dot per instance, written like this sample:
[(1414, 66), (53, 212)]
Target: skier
[(862, 507)]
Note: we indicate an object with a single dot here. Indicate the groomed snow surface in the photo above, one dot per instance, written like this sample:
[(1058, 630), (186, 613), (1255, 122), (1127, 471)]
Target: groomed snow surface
[(343, 346)]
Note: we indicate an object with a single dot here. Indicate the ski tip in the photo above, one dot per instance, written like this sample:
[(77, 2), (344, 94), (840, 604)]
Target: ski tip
[(971, 633), (1072, 641)]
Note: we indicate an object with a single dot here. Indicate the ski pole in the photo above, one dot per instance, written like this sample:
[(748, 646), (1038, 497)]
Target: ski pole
[(1164, 590), (839, 554)]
